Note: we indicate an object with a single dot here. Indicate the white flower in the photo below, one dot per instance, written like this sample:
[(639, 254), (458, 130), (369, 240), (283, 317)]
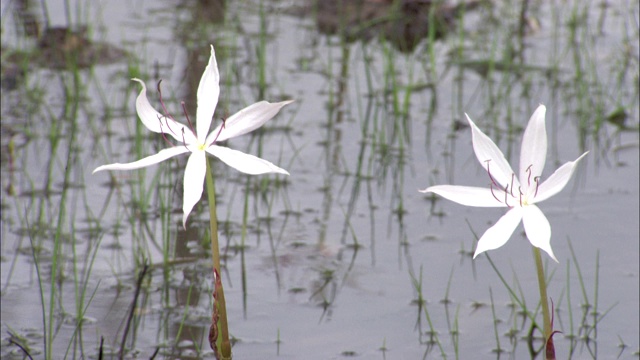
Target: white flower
[(197, 142), (518, 193)]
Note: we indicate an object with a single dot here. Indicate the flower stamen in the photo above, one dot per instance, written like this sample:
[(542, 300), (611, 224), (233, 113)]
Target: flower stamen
[(184, 142), (537, 181), (529, 176), (224, 121), (513, 176), (164, 136), (494, 195), (489, 172), (184, 110), (520, 190), (164, 108), (506, 195)]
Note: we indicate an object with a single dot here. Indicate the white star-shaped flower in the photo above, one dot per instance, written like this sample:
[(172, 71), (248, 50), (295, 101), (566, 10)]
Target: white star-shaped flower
[(197, 142), (518, 193)]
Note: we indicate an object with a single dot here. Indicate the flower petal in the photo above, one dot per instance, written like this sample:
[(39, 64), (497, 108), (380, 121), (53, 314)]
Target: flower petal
[(537, 228), (157, 122), (149, 160), (557, 181), (242, 162), (208, 93), (499, 234), (468, 195), (533, 152), (193, 182), (491, 158), (246, 120)]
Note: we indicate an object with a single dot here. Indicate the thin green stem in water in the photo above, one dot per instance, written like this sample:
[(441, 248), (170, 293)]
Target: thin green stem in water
[(223, 345), (542, 285)]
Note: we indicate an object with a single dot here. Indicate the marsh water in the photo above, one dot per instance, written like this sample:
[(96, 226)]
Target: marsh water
[(344, 258)]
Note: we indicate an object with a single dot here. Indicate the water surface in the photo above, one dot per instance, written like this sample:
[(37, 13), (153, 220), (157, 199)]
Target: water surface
[(335, 260)]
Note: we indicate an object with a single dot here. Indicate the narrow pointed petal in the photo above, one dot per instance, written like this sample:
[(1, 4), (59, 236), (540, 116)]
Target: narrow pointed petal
[(557, 181), (489, 155), (468, 195), (499, 234), (538, 229), (533, 153), (208, 93), (193, 183), (149, 160), (246, 120), (157, 122), (242, 162)]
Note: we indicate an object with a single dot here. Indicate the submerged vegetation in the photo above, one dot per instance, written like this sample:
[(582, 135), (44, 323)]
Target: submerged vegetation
[(343, 258)]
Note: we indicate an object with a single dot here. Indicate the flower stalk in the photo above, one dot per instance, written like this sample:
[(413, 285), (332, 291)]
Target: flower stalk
[(219, 332), (546, 318)]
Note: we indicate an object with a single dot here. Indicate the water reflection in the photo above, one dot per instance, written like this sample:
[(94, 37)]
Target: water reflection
[(188, 294), (67, 47), (343, 257), (403, 23)]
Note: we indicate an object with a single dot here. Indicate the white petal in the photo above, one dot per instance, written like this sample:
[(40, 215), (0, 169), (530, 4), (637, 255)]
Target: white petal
[(157, 122), (557, 181), (193, 183), (208, 93), (489, 155), (537, 228), (499, 234), (468, 195), (149, 160), (242, 162), (246, 120), (533, 152)]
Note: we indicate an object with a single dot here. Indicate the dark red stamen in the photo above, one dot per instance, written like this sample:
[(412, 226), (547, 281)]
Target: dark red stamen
[(489, 172), (529, 177), (494, 195), (184, 110), (164, 108), (163, 134), (537, 180), (520, 190), (506, 195), (513, 176), (183, 141), (224, 121)]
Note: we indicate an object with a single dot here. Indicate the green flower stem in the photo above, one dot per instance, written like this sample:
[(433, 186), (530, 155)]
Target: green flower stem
[(223, 344), (542, 284)]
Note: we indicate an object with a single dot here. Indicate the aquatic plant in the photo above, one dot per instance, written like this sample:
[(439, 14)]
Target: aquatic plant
[(519, 194), (198, 168)]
